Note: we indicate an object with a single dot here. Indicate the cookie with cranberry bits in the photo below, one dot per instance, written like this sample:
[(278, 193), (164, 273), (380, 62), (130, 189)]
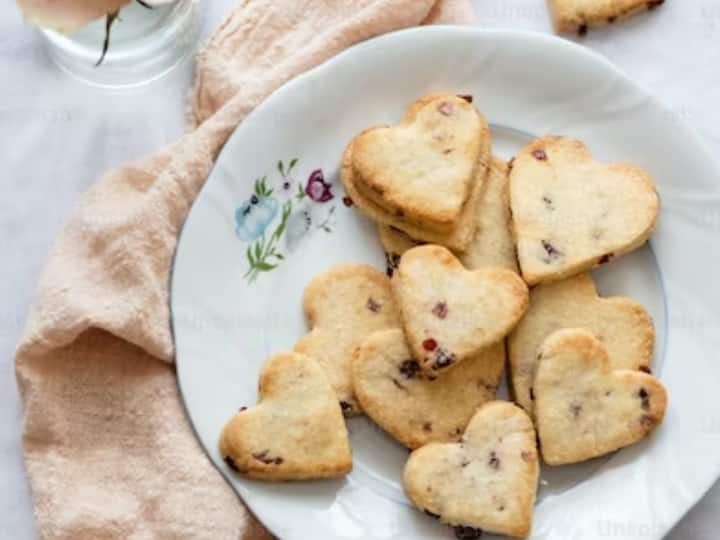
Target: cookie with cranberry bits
[(416, 408), (492, 244), (295, 432), (343, 305), (450, 313), (456, 239), (583, 407), (571, 213), (486, 481), (576, 16), (620, 323), (424, 167)]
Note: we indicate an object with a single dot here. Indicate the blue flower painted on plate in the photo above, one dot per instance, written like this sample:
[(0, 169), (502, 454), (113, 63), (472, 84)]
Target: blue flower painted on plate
[(256, 214)]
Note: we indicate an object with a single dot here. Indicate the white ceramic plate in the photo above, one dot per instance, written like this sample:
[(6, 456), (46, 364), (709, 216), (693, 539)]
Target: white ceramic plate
[(239, 274)]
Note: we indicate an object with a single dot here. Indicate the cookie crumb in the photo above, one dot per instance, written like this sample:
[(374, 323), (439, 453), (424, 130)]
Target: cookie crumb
[(242, 409), (347, 201)]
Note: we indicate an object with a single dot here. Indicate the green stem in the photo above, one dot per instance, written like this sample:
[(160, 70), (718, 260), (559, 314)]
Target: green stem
[(109, 20)]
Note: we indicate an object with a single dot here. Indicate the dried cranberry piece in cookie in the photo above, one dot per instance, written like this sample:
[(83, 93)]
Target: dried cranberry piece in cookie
[(440, 310), (451, 312), (410, 368), (467, 533), (409, 404)]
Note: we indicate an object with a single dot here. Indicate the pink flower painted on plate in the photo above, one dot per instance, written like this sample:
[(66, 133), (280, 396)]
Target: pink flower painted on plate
[(317, 189)]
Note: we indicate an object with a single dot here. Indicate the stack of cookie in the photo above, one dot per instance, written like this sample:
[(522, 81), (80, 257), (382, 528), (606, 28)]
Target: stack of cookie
[(424, 176), (422, 350)]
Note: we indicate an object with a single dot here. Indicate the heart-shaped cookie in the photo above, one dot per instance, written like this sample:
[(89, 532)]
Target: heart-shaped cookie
[(416, 408), (423, 168), (486, 481), (578, 15), (343, 305), (620, 323), (449, 313), (571, 213), (295, 432), (456, 238), (492, 244), (584, 408)]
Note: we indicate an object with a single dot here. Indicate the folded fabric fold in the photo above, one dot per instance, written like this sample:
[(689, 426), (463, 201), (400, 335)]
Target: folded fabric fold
[(108, 450)]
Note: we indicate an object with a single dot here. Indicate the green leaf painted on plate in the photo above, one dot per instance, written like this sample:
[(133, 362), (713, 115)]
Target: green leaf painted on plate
[(265, 267)]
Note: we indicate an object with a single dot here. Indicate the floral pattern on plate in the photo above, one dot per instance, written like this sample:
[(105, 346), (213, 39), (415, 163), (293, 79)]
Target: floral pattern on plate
[(299, 215)]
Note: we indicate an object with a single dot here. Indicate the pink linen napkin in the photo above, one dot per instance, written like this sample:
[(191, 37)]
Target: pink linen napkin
[(108, 450)]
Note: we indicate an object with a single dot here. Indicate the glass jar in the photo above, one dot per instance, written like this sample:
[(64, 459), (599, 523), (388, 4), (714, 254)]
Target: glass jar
[(144, 44)]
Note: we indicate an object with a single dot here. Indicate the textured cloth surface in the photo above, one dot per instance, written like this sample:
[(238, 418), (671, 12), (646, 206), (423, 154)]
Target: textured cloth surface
[(108, 450)]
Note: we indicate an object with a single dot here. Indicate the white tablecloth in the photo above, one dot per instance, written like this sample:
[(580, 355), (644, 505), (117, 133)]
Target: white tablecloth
[(57, 136)]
